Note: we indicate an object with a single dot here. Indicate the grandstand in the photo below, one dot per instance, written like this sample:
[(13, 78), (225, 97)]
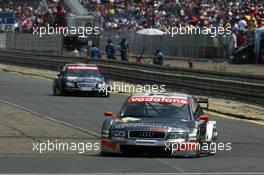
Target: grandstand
[(133, 14), (244, 17)]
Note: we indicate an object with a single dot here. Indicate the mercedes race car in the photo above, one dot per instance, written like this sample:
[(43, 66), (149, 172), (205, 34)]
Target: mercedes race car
[(84, 78), (151, 123)]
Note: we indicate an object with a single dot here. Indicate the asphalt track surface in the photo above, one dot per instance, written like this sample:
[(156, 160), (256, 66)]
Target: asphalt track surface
[(247, 154)]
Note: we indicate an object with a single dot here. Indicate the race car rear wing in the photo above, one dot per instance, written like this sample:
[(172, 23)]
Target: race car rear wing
[(202, 101)]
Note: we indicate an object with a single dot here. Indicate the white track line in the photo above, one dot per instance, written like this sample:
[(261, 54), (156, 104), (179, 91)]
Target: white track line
[(172, 166), (216, 173), (78, 128), (51, 119)]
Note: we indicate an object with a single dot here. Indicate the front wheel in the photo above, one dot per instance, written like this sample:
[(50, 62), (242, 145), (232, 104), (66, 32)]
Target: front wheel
[(62, 91), (206, 149), (56, 91), (104, 94), (107, 94), (105, 154)]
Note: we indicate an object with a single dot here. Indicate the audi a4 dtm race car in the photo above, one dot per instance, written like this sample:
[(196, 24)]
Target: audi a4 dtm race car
[(151, 123), (84, 78)]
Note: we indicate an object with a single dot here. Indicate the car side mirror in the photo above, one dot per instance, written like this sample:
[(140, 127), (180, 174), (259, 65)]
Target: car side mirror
[(204, 102), (204, 117), (108, 114)]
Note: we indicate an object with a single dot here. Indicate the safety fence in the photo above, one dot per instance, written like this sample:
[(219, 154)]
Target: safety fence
[(208, 83), (179, 46), (31, 43)]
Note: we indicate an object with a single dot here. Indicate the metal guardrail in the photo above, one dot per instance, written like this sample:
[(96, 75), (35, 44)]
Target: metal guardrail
[(228, 85)]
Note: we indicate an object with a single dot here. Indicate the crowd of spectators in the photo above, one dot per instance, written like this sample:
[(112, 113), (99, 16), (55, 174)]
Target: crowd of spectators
[(242, 17), (28, 14), (137, 14), (32, 14), (56, 8), (131, 15)]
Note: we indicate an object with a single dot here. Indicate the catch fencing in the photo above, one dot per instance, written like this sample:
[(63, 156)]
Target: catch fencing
[(179, 46), (31, 43)]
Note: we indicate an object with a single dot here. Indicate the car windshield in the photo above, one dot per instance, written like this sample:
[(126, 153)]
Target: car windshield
[(156, 110), (83, 72)]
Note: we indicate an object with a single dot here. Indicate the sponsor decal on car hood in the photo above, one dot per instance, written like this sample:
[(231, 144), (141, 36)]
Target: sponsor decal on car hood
[(82, 68), (158, 99), (157, 125)]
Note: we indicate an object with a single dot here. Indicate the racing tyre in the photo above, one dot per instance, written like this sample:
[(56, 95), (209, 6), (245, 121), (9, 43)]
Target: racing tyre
[(104, 94), (210, 152), (106, 154), (62, 91), (107, 95), (198, 154), (202, 153), (56, 91)]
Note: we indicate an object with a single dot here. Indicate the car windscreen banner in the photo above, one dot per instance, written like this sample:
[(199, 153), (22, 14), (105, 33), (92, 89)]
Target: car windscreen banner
[(177, 100), (82, 68)]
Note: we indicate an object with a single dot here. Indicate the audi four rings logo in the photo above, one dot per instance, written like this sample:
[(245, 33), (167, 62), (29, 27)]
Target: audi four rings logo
[(146, 134)]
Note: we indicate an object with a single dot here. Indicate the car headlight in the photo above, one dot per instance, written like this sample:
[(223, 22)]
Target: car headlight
[(193, 134), (105, 133), (178, 135), (118, 134), (70, 84), (70, 78)]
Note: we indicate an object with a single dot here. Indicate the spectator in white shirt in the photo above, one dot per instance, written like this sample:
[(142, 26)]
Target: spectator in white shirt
[(242, 25), (233, 43)]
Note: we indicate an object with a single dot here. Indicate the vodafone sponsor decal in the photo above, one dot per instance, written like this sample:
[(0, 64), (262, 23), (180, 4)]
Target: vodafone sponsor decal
[(82, 68), (158, 99)]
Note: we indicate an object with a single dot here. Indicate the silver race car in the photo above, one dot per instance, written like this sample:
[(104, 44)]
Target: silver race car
[(168, 123), (81, 78)]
